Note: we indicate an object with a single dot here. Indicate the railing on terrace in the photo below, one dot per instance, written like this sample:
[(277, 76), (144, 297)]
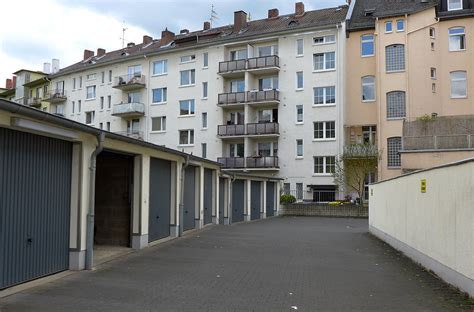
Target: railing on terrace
[(230, 130), (228, 66), (231, 98), (250, 64), (262, 128), (232, 162), (248, 97), (129, 80), (262, 162), (438, 142)]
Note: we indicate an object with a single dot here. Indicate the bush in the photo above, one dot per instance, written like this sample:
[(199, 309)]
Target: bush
[(336, 203), (287, 199)]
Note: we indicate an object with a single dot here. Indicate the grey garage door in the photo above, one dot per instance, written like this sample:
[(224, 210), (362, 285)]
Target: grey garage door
[(189, 198), (208, 196), (160, 199), (256, 200), (221, 200), (35, 190), (238, 200), (270, 199)]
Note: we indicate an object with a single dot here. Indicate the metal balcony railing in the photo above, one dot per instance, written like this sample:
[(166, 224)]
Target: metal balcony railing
[(129, 82), (55, 96), (34, 101), (263, 96), (438, 142), (230, 130), (248, 97), (262, 162), (263, 128), (250, 64), (231, 98), (232, 162), (228, 66)]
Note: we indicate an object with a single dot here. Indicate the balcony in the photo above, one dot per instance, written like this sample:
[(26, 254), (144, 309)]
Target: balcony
[(233, 98), (56, 96), (129, 82), (236, 99), (132, 134), (263, 64), (230, 130), (262, 162), (269, 128), (361, 151), (34, 102), (128, 110), (232, 162), (232, 66)]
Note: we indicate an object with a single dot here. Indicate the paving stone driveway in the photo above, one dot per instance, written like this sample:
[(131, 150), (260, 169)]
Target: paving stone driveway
[(278, 264)]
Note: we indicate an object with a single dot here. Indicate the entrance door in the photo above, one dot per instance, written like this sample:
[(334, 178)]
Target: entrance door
[(208, 190), (160, 199), (270, 199), (238, 200), (189, 198), (256, 199)]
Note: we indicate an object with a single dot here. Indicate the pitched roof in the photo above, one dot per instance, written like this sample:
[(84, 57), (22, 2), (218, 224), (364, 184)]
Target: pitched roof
[(290, 22), (365, 11)]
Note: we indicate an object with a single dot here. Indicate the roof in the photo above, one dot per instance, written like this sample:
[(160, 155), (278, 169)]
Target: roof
[(37, 82), (283, 23), (365, 12), (29, 71), (8, 92)]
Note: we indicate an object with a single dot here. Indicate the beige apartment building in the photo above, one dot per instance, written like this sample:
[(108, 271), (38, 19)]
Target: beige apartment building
[(409, 81)]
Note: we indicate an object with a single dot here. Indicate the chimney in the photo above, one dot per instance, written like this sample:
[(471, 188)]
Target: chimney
[(100, 52), (207, 25), (240, 20), (14, 82), (88, 54), (55, 65), (184, 31), (166, 37), (47, 68), (130, 44), (9, 83), (272, 13), (299, 8), (147, 39)]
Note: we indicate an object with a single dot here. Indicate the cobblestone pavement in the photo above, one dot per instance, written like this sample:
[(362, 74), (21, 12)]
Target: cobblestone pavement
[(278, 264)]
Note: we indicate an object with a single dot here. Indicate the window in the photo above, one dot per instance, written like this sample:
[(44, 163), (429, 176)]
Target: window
[(160, 95), (237, 86), (188, 77), (186, 108), (268, 83), (324, 39), (204, 150), (432, 33), (433, 87), (265, 116), (73, 83), (101, 103), (204, 90), (454, 5), (109, 102), (324, 130), (394, 145), (457, 39), (134, 97), (299, 47), (400, 25), (79, 106), (133, 126), (388, 27), (110, 77), (324, 164), (73, 107), (396, 104), (204, 120), (433, 73), (432, 46), (299, 114), (101, 125), (267, 149), (324, 61), (299, 148), (236, 150), (158, 124), (458, 84), (90, 77), (108, 125), (286, 188), (367, 45), (368, 88), (160, 67), (324, 95), (370, 178), (369, 134), (268, 50), (90, 94), (187, 58), (186, 137), (134, 71), (395, 57), (299, 191), (238, 55), (299, 80), (80, 82), (90, 116), (102, 79), (60, 109), (205, 59)]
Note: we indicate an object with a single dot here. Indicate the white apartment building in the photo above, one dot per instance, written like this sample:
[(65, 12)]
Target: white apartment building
[(263, 96)]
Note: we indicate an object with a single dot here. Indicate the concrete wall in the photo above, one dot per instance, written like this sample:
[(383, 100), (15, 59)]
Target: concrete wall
[(351, 211), (435, 228)]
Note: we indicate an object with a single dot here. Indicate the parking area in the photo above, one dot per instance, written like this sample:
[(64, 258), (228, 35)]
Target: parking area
[(277, 264)]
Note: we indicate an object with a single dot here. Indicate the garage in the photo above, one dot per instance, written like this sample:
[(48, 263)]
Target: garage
[(270, 199), (189, 209), (255, 199), (35, 192), (208, 192), (222, 201), (160, 199), (113, 200), (238, 200)]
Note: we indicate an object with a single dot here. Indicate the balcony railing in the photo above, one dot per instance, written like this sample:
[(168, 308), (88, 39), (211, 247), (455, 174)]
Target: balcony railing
[(132, 134), (128, 110), (230, 130), (56, 96), (34, 102), (262, 162), (249, 64), (129, 82), (249, 97), (232, 162), (231, 98), (263, 128), (438, 142), (263, 96)]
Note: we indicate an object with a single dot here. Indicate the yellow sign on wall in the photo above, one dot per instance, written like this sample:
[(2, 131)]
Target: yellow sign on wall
[(423, 186)]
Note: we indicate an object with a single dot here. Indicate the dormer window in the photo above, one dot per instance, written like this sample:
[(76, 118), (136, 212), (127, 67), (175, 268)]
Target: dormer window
[(454, 5), (369, 12)]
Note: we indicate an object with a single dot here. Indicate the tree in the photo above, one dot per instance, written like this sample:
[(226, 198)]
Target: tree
[(355, 164)]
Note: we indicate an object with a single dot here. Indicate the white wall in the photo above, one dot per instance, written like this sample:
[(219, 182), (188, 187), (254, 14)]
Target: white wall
[(435, 228)]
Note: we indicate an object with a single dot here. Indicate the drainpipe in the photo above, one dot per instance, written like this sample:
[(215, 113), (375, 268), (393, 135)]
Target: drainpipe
[(181, 195), (90, 214)]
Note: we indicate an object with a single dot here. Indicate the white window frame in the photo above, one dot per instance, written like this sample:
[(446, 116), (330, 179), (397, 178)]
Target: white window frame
[(325, 165), (367, 84), (393, 46), (93, 94), (205, 90), (90, 77), (391, 27), (164, 95), (325, 96), (79, 106), (162, 124), (184, 59), (109, 102), (302, 114), (327, 39), (297, 148), (190, 138), (455, 8), (432, 32), (298, 75), (299, 45), (204, 120), (433, 73), (325, 54), (92, 115), (366, 41), (205, 60), (458, 80), (463, 35), (164, 67), (191, 108), (325, 138), (102, 103), (192, 82), (403, 24)]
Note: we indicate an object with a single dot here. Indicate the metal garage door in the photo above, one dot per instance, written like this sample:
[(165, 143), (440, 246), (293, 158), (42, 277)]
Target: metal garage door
[(270, 199), (160, 199), (255, 200), (189, 198), (238, 200), (208, 196), (221, 200), (35, 190)]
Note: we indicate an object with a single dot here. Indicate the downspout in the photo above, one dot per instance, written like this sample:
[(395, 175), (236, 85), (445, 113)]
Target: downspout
[(181, 195), (90, 214)]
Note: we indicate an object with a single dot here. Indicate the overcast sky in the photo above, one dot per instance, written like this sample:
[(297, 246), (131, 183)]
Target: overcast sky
[(33, 32)]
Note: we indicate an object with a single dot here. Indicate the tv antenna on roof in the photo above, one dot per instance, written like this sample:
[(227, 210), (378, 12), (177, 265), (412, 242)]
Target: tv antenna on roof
[(123, 35), (213, 16)]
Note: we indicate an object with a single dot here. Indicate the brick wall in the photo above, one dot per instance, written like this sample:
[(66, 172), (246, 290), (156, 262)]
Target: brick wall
[(352, 211)]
